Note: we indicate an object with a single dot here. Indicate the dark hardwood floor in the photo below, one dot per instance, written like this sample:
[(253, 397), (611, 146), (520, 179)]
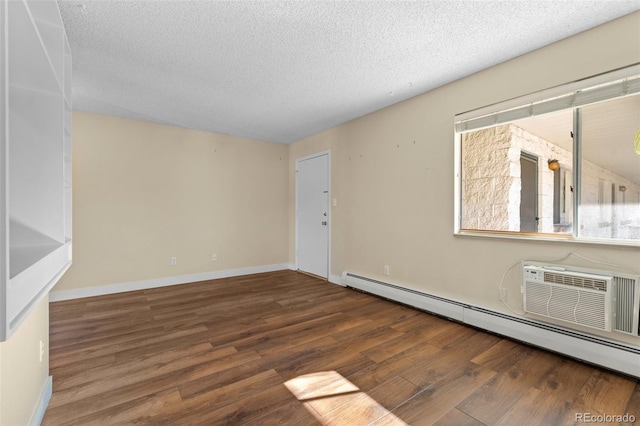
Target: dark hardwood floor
[(286, 348)]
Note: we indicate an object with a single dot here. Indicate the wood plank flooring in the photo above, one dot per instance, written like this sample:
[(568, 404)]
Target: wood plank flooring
[(286, 348)]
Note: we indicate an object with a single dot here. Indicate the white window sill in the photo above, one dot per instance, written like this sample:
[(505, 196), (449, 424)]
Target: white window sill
[(546, 237)]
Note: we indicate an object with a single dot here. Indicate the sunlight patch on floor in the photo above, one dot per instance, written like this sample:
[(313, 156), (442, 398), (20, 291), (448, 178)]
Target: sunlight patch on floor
[(332, 399)]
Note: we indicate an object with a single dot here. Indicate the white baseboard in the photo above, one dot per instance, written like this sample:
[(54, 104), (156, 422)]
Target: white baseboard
[(336, 279), (79, 293), (43, 402)]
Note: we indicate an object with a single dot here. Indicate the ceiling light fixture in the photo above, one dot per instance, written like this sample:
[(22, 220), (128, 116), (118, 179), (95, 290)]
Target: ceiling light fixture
[(553, 165)]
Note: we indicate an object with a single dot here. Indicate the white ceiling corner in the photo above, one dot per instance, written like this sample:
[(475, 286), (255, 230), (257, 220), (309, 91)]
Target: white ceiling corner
[(283, 70)]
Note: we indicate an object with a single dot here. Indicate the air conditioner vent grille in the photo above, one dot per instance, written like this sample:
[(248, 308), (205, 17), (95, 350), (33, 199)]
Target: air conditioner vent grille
[(582, 307), (575, 281), (626, 312)]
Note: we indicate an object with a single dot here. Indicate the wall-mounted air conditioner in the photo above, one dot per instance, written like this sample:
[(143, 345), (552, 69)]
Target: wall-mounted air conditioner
[(604, 300)]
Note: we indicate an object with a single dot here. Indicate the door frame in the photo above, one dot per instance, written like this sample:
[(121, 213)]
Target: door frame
[(329, 205)]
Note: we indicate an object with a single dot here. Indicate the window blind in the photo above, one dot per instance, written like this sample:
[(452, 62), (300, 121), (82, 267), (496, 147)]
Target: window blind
[(575, 95)]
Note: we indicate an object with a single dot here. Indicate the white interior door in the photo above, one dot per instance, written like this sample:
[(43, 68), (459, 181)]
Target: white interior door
[(312, 214)]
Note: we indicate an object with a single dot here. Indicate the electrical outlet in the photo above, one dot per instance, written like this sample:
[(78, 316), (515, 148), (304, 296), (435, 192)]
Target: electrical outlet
[(214, 257), (174, 261), (387, 271), (503, 293), (41, 350)]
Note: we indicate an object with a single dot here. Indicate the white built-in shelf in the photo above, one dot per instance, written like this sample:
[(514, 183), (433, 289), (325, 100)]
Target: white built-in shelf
[(25, 257), (45, 11), (29, 64), (35, 198), (67, 73)]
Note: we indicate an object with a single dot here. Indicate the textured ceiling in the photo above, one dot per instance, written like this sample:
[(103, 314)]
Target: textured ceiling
[(283, 70)]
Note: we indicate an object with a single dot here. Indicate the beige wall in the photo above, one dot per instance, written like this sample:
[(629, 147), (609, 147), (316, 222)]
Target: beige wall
[(143, 193), (23, 376), (393, 176)]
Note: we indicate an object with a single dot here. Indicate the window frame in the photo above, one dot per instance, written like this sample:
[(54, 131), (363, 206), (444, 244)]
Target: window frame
[(517, 106)]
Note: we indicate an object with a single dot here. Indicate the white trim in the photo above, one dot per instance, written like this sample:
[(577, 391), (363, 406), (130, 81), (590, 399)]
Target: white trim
[(43, 402), (56, 296), (336, 279), (457, 182), (548, 237), (571, 345), (437, 305), (317, 154), (329, 206)]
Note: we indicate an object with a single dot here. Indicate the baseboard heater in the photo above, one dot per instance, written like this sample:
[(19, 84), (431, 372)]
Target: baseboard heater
[(617, 356)]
